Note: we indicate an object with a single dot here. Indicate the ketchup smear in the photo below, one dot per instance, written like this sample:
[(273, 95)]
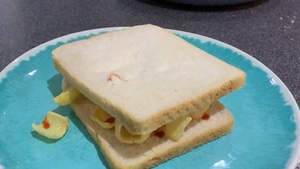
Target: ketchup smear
[(115, 75), (205, 116), (159, 134), (46, 124), (110, 120)]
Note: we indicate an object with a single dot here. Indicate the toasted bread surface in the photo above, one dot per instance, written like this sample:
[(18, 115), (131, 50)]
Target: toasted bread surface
[(145, 76)]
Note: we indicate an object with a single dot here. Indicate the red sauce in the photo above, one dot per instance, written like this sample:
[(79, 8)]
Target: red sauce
[(110, 120), (159, 134), (115, 75), (46, 124), (205, 116)]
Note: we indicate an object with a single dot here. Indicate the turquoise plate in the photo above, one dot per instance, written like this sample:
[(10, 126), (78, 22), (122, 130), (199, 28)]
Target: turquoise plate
[(266, 116)]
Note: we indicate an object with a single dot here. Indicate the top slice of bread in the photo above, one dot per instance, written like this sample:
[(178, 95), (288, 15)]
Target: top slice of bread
[(145, 76)]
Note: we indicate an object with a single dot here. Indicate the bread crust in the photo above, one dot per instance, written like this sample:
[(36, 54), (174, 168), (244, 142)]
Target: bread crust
[(154, 150)]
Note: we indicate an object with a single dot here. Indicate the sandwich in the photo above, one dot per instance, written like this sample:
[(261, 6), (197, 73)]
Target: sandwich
[(144, 94)]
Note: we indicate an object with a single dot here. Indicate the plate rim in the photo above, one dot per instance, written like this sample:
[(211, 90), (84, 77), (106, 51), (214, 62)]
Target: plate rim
[(287, 95)]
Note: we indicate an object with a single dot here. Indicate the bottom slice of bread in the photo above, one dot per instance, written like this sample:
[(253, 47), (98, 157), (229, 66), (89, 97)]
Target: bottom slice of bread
[(154, 150)]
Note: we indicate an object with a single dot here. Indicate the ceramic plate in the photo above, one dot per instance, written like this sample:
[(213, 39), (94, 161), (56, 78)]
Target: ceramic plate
[(264, 136)]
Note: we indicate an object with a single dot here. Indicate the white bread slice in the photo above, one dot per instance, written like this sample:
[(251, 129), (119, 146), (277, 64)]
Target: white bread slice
[(145, 76), (154, 150)]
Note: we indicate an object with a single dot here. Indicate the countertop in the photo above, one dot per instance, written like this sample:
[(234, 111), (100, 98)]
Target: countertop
[(267, 30)]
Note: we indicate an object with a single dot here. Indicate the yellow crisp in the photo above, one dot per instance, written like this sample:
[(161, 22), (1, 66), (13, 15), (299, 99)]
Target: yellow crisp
[(104, 119), (67, 97), (124, 136), (175, 128), (198, 114), (54, 126)]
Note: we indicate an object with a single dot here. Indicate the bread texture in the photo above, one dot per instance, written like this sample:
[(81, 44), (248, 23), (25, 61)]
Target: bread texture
[(145, 76), (154, 150)]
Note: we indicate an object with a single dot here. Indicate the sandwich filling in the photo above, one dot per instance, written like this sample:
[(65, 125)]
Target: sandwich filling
[(173, 130)]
